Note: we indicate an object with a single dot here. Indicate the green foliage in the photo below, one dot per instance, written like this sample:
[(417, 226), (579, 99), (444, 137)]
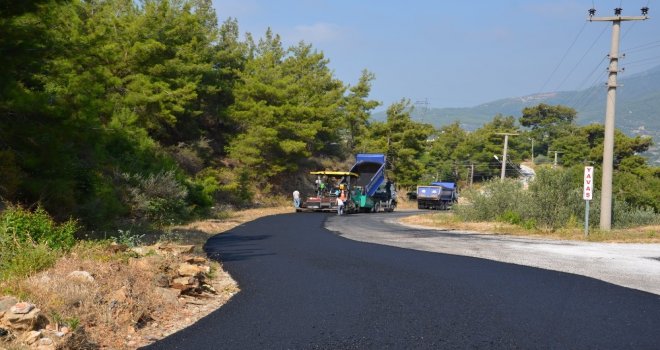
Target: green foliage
[(22, 226), (555, 197), (403, 141), (552, 201), (287, 107), (357, 111), (159, 198), (497, 199), (129, 239), (150, 112), (625, 215), (31, 241)]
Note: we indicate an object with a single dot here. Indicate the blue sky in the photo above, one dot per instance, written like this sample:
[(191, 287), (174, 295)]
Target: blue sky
[(458, 53)]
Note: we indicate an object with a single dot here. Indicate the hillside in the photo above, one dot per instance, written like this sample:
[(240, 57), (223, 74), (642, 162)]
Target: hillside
[(638, 107)]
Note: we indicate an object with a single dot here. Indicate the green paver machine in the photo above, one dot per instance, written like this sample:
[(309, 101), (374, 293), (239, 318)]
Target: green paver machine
[(329, 185)]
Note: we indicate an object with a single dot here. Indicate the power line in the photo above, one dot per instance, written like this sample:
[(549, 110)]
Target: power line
[(581, 58), (563, 58), (642, 46)]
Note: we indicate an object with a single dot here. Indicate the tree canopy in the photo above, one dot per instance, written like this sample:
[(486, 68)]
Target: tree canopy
[(150, 111)]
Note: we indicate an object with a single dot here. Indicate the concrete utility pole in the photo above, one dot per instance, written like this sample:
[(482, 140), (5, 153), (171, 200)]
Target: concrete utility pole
[(608, 146), (506, 146), (554, 165)]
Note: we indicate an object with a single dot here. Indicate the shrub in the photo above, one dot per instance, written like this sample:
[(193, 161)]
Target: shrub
[(626, 215), (497, 199), (554, 201), (555, 198), (23, 226), (31, 241), (159, 198)]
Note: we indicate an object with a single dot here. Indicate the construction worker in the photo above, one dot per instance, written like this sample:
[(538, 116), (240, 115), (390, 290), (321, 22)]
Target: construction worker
[(296, 199), (341, 199)]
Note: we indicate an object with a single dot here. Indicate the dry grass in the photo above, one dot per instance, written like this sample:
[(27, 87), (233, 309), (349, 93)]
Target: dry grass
[(199, 232), (123, 308), (446, 220)]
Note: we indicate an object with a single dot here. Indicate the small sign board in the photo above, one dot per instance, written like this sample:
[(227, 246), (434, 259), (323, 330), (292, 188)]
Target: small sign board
[(588, 192)]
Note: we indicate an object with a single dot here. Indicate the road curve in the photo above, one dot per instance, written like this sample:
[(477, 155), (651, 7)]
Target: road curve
[(629, 265), (304, 287)]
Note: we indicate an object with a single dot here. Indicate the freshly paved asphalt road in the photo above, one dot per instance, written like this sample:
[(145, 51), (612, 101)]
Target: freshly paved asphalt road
[(303, 287)]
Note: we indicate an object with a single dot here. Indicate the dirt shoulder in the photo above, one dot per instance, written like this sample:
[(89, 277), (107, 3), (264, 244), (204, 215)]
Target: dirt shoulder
[(447, 221), (102, 296)]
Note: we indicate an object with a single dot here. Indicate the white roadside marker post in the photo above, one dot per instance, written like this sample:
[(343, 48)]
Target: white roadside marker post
[(587, 195)]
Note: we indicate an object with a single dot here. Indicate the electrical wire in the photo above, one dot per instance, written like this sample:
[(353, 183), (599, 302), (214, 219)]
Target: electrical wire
[(581, 59), (563, 58), (644, 47)]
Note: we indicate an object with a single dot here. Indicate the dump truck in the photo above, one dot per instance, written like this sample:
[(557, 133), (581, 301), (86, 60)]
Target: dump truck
[(371, 191), (328, 186), (438, 196)]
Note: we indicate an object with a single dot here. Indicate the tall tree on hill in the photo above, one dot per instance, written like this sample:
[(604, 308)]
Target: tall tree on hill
[(444, 161), (357, 110), (403, 141), (286, 107), (548, 123)]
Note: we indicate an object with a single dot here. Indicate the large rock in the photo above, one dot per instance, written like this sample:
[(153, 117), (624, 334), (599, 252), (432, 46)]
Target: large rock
[(169, 295), (162, 280), (5, 304), (31, 337), (21, 308), (186, 269), (185, 283), (177, 249), (81, 277), (196, 260), (21, 321)]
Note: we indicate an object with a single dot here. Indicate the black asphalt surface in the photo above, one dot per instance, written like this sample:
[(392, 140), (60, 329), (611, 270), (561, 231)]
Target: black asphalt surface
[(303, 287)]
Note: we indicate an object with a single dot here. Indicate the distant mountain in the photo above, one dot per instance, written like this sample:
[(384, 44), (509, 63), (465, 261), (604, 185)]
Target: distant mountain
[(637, 110)]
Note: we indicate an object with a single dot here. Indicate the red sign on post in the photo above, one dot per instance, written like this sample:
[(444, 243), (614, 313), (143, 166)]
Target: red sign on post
[(587, 195)]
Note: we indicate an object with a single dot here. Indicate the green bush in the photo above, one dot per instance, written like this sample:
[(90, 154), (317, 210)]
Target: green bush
[(31, 241), (553, 200), (497, 199), (23, 226), (158, 198), (626, 215), (25, 260)]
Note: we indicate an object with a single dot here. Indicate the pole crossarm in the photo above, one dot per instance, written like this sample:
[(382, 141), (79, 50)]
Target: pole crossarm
[(617, 18)]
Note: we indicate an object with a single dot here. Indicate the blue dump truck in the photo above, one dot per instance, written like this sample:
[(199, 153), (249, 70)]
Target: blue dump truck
[(371, 192), (438, 196)]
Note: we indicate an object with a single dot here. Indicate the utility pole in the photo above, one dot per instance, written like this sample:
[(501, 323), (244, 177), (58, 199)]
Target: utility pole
[(532, 139), (506, 146), (471, 174), (608, 144), (425, 109), (554, 165)]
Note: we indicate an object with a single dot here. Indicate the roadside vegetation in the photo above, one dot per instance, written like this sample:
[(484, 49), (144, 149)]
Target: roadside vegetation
[(123, 123), (551, 206)]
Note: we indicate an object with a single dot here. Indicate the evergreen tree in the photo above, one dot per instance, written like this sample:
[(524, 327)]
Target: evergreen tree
[(357, 110), (287, 108)]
